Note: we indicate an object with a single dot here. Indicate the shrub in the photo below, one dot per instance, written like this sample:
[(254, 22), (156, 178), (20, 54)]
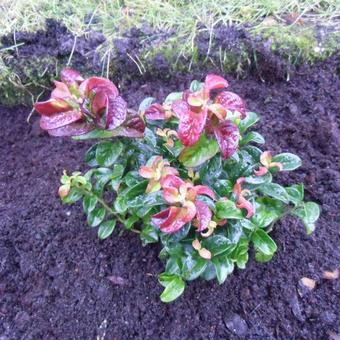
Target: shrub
[(184, 173)]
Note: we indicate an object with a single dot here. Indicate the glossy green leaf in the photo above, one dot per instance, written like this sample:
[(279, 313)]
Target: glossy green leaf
[(199, 153), (222, 187), (212, 170), (96, 134), (95, 217), (106, 228), (274, 190), (89, 203), (108, 152), (263, 242), (196, 86), (223, 266), (261, 257), (150, 138), (240, 253), (73, 196), (90, 156), (193, 266), (227, 209), (173, 265), (148, 200), (146, 102), (209, 272), (172, 97), (289, 161), (252, 137), (250, 119), (149, 234), (295, 193), (218, 244), (308, 212), (174, 287), (120, 205)]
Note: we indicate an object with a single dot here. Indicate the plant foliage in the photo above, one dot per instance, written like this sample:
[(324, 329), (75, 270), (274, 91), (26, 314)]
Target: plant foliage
[(185, 173)]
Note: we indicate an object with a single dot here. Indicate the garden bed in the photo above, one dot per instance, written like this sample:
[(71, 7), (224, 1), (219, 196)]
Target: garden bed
[(59, 281)]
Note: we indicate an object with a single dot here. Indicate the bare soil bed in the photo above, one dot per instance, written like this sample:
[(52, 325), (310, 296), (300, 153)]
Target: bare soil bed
[(58, 281)]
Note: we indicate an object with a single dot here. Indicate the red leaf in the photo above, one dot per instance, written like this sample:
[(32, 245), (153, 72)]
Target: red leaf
[(52, 106), (61, 91), (101, 84), (135, 123), (191, 126), (99, 102), (70, 76), (180, 108), (155, 112), (203, 215), (169, 220), (214, 82), (59, 119), (242, 203), (171, 181), (227, 135), (232, 102), (204, 190), (116, 112), (74, 129)]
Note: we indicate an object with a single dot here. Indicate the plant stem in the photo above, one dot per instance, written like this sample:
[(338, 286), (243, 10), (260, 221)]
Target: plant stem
[(108, 209)]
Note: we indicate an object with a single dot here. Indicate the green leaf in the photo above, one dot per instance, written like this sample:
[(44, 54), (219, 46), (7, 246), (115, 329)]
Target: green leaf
[(106, 229), (149, 234), (289, 161), (252, 136), (295, 193), (107, 152), (227, 209), (263, 242), (308, 212), (275, 190), (196, 86), (193, 266), (150, 137), (210, 172), (120, 205), (173, 265), (222, 187), (199, 153), (223, 266), (95, 217), (240, 253), (96, 134), (148, 200), (172, 97), (90, 156), (218, 244), (73, 196), (174, 287), (209, 272), (261, 257), (250, 119), (146, 102), (89, 203), (267, 210)]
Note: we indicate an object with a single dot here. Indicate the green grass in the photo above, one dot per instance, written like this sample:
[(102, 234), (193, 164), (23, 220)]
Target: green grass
[(186, 17)]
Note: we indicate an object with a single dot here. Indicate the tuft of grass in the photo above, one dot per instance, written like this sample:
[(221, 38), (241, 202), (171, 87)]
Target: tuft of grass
[(182, 17)]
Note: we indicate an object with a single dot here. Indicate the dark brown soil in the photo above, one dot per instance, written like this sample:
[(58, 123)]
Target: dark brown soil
[(58, 281)]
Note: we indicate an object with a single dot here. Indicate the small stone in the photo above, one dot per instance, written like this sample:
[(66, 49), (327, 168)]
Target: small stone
[(307, 282), (117, 280), (236, 324), (328, 275)]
